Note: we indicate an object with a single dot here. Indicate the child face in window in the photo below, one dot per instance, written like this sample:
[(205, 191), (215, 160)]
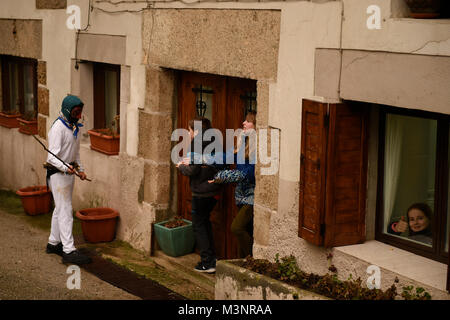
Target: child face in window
[(418, 221)]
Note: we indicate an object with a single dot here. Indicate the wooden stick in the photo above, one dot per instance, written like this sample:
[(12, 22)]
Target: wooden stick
[(68, 166)]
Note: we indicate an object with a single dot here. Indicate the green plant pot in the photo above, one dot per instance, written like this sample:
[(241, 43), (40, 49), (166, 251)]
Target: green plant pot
[(175, 242)]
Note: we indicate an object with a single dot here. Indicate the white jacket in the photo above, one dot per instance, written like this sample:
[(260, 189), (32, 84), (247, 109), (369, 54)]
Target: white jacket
[(63, 144)]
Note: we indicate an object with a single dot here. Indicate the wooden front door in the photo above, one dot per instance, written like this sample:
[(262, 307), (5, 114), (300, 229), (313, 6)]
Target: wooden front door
[(225, 107)]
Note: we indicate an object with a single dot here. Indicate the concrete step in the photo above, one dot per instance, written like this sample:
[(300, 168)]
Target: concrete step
[(184, 267)]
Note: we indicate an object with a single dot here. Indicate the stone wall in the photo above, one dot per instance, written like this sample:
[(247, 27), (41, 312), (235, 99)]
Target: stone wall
[(51, 4), (21, 38), (43, 99), (236, 283), (156, 123), (240, 43)]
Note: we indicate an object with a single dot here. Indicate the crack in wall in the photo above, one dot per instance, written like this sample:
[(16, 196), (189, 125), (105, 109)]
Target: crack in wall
[(357, 59), (429, 42)]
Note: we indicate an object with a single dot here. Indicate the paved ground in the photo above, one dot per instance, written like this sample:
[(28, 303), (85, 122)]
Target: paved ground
[(27, 272)]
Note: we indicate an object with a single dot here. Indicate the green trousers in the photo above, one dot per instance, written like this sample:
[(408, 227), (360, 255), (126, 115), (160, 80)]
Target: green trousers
[(242, 227)]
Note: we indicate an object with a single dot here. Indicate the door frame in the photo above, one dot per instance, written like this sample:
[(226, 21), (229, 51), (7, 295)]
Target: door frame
[(227, 94)]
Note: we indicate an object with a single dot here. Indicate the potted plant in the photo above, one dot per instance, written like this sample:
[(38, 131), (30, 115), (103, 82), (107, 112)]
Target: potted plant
[(35, 199), (424, 9), (106, 140), (175, 236), (98, 224), (9, 119), (28, 123)]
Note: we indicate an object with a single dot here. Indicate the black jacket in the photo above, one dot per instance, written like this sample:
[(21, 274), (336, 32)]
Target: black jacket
[(199, 174)]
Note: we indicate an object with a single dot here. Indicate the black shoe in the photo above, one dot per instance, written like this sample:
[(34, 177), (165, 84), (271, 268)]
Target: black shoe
[(56, 249), (204, 267), (75, 258)]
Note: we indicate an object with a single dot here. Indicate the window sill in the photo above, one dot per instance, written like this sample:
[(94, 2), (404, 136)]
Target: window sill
[(407, 264)]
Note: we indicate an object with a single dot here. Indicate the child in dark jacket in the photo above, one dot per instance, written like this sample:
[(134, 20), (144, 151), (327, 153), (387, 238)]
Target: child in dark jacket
[(244, 176), (203, 200)]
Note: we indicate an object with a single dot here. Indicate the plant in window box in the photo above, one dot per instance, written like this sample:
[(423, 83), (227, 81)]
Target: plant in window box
[(28, 123), (9, 119), (175, 236), (106, 140), (249, 275), (424, 9)]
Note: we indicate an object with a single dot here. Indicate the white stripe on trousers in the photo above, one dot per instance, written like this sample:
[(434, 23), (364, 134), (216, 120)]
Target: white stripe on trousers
[(62, 218)]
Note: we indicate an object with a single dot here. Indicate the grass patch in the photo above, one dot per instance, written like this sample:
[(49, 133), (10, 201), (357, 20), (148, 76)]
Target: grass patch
[(41, 221), (10, 202), (151, 271)]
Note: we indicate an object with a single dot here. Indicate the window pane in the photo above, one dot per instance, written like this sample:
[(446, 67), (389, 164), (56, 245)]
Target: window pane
[(28, 81), (409, 175), (207, 98), (111, 102), (14, 86), (250, 102)]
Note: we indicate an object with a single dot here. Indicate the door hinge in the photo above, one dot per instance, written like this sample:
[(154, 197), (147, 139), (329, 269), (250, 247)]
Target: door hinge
[(302, 158)]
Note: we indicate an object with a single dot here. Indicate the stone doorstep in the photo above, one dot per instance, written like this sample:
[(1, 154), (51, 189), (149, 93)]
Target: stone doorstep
[(236, 283), (184, 267)]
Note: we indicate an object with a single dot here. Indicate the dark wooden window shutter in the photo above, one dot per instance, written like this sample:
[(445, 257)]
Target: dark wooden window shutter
[(312, 171), (333, 173), (346, 180)]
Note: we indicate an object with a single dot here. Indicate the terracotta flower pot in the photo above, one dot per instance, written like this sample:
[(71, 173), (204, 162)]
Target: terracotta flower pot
[(102, 142), (424, 9), (9, 120), (35, 199), (28, 127), (98, 224)]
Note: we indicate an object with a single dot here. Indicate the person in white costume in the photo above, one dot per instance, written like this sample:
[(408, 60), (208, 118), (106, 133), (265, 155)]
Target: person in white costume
[(64, 142)]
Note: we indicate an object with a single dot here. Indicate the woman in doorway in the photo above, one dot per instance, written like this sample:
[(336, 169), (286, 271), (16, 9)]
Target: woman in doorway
[(244, 175)]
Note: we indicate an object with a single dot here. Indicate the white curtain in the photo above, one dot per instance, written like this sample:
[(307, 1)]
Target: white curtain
[(392, 161)]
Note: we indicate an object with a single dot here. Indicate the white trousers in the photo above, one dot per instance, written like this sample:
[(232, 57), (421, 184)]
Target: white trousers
[(62, 219)]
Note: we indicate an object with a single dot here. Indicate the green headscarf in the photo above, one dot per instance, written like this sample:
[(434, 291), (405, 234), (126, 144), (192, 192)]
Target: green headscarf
[(67, 106)]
